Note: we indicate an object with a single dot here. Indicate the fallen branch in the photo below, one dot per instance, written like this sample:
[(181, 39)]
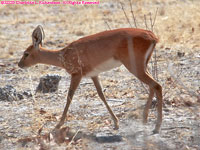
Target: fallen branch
[(172, 128), (115, 100)]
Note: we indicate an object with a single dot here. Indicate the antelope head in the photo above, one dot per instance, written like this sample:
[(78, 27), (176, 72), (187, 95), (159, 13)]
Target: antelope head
[(31, 56)]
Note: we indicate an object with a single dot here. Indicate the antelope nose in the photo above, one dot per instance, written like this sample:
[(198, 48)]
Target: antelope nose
[(20, 65)]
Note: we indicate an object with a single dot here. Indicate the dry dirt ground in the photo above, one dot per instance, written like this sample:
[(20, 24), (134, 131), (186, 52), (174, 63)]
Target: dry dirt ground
[(89, 124)]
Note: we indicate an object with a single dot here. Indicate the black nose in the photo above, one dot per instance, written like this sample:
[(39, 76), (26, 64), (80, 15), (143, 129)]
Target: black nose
[(20, 65)]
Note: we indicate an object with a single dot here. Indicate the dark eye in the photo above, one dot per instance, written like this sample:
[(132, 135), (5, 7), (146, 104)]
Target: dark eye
[(26, 55)]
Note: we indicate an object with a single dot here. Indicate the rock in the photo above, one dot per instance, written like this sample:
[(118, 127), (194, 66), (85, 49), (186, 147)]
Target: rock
[(9, 93), (20, 96), (180, 54), (1, 138), (48, 84), (108, 138), (79, 33), (27, 94)]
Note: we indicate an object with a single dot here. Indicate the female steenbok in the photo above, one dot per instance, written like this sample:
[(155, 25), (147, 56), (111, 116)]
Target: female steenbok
[(91, 55)]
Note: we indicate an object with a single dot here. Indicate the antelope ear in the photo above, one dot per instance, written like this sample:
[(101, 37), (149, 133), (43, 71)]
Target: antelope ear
[(37, 36)]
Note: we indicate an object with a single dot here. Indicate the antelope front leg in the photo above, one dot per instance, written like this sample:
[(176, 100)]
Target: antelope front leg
[(101, 95), (75, 80)]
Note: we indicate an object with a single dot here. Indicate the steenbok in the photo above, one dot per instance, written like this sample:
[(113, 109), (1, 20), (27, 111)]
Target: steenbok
[(91, 55)]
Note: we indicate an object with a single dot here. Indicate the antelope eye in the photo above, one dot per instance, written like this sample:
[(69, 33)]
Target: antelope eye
[(26, 54)]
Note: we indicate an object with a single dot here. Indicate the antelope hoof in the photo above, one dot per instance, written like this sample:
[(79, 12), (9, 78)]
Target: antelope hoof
[(155, 131), (116, 127), (145, 121), (58, 126)]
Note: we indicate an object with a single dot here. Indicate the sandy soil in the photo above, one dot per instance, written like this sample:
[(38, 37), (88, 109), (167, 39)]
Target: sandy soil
[(178, 55)]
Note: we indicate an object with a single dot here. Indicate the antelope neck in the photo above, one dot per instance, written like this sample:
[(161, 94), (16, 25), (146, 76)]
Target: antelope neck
[(50, 57)]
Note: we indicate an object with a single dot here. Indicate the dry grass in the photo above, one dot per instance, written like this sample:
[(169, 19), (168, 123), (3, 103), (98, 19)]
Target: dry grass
[(177, 26)]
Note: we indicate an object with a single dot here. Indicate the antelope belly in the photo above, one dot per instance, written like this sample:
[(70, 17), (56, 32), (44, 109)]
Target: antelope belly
[(105, 66)]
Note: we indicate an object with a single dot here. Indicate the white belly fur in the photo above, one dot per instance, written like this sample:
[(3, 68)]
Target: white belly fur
[(105, 66)]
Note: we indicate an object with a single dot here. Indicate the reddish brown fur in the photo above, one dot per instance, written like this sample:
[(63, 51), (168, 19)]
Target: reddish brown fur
[(128, 46), (90, 50)]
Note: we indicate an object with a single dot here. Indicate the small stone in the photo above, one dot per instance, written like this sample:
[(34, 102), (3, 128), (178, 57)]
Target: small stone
[(1, 138), (27, 94), (8, 93), (48, 84), (79, 33), (20, 96), (180, 54), (108, 138)]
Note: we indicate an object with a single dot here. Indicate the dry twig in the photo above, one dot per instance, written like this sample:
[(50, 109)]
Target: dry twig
[(72, 138), (155, 18), (106, 23), (133, 14), (151, 22), (125, 15), (145, 21), (180, 83)]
